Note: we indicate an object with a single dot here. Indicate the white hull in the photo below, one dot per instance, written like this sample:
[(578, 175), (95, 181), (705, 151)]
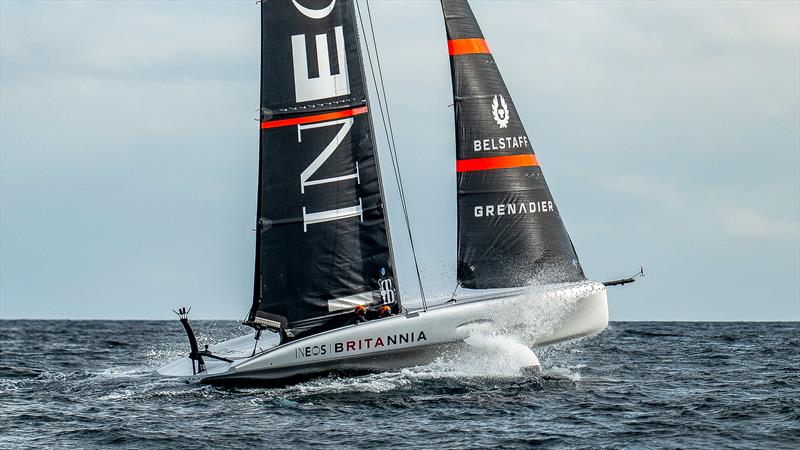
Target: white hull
[(533, 316)]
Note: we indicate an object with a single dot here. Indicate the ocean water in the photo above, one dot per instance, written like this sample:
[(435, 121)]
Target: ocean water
[(67, 384)]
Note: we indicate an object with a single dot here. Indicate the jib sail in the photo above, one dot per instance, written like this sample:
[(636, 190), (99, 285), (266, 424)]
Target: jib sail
[(322, 245), (510, 232)]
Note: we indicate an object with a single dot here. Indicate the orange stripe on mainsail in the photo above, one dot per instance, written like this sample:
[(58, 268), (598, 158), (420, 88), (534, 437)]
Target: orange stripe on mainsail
[(315, 118), (467, 46), (496, 162)]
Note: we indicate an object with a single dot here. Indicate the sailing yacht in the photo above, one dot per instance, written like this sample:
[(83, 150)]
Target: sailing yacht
[(325, 295)]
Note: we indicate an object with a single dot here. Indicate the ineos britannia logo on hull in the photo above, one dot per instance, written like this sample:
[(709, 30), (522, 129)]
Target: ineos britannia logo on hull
[(500, 111)]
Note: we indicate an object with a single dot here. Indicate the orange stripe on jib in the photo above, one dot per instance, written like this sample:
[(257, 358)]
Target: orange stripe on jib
[(496, 162), (467, 46), (314, 118)]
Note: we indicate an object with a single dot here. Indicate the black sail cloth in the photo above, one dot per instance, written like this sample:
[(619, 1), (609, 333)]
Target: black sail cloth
[(510, 232), (322, 244)]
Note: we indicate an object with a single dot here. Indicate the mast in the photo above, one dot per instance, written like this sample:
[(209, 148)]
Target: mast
[(322, 246), (510, 232), (262, 112)]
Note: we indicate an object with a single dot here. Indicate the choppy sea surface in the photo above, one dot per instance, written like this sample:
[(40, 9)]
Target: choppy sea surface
[(74, 384)]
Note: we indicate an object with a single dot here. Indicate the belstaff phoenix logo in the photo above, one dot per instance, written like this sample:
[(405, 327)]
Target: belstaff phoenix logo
[(500, 111)]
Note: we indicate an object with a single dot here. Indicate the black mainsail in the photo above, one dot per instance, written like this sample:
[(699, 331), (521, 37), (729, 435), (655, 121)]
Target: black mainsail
[(322, 245), (510, 232)]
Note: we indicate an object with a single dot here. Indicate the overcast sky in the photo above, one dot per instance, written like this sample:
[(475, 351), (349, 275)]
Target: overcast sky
[(669, 133)]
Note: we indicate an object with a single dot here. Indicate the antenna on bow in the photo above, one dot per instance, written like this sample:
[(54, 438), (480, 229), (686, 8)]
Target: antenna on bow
[(623, 281), (183, 312)]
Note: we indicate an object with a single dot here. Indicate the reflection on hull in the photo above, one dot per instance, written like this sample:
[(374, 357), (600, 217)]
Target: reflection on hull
[(356, 365)]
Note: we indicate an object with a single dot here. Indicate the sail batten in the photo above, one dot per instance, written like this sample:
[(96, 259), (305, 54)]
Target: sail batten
[(322, 240), (510, 231), (321, 117)]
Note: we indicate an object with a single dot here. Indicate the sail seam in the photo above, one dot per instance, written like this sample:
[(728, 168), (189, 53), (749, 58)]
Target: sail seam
[(300, 219)]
